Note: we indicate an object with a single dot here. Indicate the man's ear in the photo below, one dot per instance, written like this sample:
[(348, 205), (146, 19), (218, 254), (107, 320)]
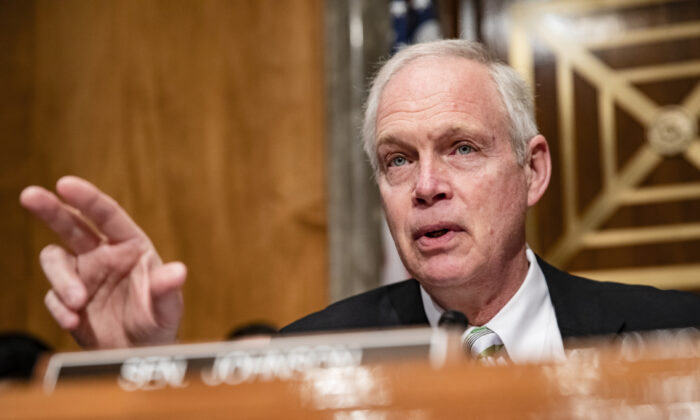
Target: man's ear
[(538, 169)]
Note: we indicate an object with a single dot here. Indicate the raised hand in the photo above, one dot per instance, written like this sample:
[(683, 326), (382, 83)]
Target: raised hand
[(111, 289)]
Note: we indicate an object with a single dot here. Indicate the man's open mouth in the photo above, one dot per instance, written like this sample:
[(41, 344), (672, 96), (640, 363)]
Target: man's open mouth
[(436, 233), (436, 230)]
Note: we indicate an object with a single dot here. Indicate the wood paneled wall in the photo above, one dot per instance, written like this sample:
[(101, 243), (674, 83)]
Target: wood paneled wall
[(205, 119), (607, 75)]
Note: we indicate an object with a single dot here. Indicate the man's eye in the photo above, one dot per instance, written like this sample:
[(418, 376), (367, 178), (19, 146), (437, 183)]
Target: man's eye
[(464, 149), (398, 161)]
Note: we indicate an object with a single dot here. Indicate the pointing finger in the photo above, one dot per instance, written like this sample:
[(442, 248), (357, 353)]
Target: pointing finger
[(61, 218), (99, 208)]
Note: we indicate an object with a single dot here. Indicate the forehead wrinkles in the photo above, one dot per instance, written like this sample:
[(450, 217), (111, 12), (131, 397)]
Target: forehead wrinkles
[(406, 109), (439, 118), (429, 105), (435, 85), (412, 90)]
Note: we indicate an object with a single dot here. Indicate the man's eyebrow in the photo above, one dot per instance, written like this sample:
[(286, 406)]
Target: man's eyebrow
[(390, 140), (446, 134), (460, 130)]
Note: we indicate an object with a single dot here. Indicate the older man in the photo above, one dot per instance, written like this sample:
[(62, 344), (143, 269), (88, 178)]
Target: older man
[(452, 138)]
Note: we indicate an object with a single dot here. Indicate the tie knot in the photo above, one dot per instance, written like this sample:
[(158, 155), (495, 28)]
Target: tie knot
[(483, 343)]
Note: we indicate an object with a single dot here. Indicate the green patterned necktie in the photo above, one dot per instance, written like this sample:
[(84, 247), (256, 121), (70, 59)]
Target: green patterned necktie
[(484, 344)]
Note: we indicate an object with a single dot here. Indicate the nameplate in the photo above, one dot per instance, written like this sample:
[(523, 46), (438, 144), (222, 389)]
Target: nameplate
[(244, 361)]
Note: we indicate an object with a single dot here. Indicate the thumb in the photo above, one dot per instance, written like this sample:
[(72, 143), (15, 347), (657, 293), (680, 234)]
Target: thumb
[(166, 293)]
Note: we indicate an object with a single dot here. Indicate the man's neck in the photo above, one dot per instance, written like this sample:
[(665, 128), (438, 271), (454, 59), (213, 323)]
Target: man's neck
[(482, 297)]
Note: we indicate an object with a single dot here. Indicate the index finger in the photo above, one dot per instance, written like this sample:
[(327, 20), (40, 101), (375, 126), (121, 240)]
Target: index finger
[(102, 210), (67, 222)]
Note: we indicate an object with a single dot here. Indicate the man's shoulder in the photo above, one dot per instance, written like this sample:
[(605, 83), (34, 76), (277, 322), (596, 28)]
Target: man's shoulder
[(387, 306), (638, 307)]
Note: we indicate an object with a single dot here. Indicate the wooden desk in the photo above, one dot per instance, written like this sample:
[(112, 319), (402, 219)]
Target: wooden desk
[(599, 382)]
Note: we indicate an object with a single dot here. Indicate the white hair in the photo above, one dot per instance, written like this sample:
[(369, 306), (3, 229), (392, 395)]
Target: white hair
[(514, 92)]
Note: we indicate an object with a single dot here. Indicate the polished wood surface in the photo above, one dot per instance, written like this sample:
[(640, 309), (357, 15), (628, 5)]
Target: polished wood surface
[(205, 119), (629, 380)]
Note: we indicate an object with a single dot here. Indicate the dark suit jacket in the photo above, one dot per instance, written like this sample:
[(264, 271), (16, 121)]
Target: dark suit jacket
[(583, 307)]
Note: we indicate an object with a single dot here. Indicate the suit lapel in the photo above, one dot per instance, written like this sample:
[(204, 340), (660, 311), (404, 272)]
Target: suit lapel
[(577, 305), (406, 303)]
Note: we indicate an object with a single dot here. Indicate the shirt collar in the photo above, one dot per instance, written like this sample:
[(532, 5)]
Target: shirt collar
[(526, 324)]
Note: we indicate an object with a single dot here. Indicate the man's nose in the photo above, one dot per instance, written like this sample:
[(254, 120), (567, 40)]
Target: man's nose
[(432, 185)]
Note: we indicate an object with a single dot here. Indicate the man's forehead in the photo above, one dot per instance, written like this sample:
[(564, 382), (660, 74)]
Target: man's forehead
[(454, 87), (426, 76)]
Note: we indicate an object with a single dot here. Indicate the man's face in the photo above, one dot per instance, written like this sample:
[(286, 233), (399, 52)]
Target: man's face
[(454, 195)]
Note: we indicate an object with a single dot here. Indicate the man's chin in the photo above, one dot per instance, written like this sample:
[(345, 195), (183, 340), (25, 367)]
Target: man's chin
[(442, 275)]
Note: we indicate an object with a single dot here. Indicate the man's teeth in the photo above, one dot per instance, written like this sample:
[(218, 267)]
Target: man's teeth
[(436, 233)]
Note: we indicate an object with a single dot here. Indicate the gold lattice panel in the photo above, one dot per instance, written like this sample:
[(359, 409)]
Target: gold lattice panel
[(670, 130)]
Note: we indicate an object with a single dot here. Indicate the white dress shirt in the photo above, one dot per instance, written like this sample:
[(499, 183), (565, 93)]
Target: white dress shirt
[(526, 324)]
